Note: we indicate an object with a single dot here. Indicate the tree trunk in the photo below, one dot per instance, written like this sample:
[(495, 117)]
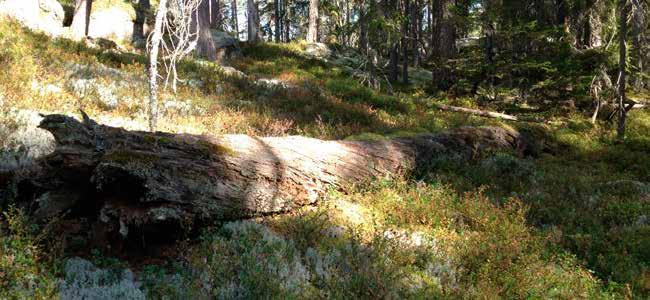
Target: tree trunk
[(561, 14), (312, 31), (156, 38), (405, 43), (394, 68), (414, 31), (286, 16), (205, 45), (216, 18), (445, 41), (363, 28), (347, 33), (233, 16), (253, 22), (81, 18), (134, 182), (431, 32), (278, 22), (622, 112), (141, 10), (638, 42)]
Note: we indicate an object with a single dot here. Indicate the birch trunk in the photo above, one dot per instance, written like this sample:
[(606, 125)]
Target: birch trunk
[(156, 37)]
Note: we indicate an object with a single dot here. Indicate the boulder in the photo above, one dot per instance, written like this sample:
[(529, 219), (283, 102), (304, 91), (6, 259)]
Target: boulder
[(227, 46), (346, 61), (230, 71), (112, 22), (274, 84), (41, 15), (21, 140), (317, 51)]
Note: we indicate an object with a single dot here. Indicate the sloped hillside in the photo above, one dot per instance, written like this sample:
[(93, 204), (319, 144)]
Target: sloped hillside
[(568, 221)]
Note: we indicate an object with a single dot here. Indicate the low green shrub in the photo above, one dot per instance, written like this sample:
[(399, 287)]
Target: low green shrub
[(26, 272)]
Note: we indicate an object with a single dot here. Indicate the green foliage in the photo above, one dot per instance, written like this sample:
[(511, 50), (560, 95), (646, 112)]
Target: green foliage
[(495, 252), (245, 259), (15, 54), (24, 269)]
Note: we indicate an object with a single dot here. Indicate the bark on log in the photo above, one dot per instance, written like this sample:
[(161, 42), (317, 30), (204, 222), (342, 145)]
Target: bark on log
[(131, 179)]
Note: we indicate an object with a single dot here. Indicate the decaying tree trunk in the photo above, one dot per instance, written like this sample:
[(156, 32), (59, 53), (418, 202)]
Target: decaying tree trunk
[(130, 180), (478, 112)]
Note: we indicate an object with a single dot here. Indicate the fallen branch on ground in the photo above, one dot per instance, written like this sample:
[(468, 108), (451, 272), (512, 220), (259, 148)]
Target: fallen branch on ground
[(482, 113)]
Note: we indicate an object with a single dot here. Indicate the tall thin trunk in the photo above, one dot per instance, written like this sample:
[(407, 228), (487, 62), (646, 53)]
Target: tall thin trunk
[(233, 17), (81, 19), (253, 22), (429, 27), (622, 112), (414, 31), (638, 24), (286, 16), (312, 31), (278, 22), (363, 28), (347, 23), (394, 68), (405, 44), (153, 65), (561, 13)]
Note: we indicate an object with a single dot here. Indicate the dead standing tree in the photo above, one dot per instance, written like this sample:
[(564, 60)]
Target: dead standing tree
[(176, 35)]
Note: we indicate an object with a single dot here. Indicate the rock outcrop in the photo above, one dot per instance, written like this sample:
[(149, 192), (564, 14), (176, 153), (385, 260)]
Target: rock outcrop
[(227, 46), (39, 15), (112, 22), (318, 51)]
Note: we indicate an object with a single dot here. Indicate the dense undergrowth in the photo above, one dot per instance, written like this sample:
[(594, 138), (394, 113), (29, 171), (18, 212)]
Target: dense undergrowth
[(569, 222)]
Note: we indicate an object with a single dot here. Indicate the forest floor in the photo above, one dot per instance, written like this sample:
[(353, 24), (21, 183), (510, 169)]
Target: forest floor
[(570, 221)]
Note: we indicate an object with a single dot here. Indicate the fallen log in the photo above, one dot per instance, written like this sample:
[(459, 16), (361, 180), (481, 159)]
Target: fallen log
[(132, 180), (482, 113), (487, 114)]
